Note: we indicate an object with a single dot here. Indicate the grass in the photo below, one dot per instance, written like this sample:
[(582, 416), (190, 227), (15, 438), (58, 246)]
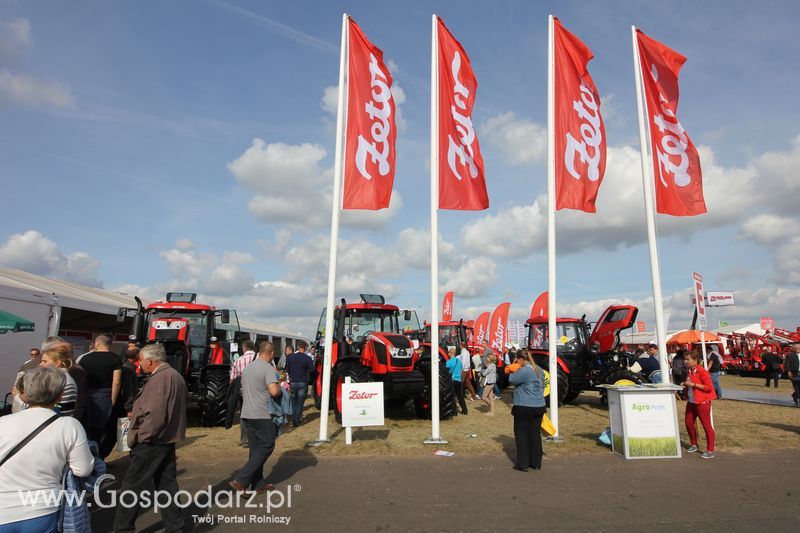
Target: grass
[(651, 447), (754, 383), (741, 428)]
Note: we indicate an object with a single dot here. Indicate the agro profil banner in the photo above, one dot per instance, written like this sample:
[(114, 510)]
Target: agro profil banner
[(462, 184), (480, 327), (447, 307), (371, 132), (580, 135), (676, 165), (498, 327)]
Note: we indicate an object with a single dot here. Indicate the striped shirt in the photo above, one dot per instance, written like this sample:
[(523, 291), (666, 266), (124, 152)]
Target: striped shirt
[(69, 397), (239, 364)]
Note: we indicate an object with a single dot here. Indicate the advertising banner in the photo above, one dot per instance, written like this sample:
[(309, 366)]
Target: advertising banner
[(362, 404), (640, 327), (767, 324), (644, 423), (702, 319), (715, 299)]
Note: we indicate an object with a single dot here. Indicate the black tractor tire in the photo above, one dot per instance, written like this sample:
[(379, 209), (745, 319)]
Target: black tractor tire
[(214, 397), (317, 397), (563, 390), (448, 407), (615, 378), (357, 372)]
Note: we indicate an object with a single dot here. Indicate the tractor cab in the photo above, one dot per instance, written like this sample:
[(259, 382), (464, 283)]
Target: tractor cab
[(584, 359), (451, 334)]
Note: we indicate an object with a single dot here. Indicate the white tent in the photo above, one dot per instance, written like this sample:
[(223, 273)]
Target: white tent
[(742, 329)]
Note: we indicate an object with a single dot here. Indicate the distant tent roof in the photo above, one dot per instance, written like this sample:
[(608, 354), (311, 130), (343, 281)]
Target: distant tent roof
[(743, 328), (9, 322)]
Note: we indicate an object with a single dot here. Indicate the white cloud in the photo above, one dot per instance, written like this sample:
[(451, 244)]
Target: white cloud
[(519, 231), (15, 38), (780, 235), (27, 90), (184, 244), (33, 252), (473, 278), (519, 141), (330, 99)]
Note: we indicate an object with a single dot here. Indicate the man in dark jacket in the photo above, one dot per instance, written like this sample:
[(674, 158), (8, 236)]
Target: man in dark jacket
[(299, 368), (158, 422), (793, 371), (772, 367)]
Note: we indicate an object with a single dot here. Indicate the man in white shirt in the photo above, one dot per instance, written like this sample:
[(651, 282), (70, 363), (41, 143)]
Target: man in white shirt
[(466, 375)]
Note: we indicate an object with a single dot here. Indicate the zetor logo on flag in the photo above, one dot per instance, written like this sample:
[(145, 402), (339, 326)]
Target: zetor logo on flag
[(676, 165), (447, 307), (371, 132), (579, 131), (462, 184)]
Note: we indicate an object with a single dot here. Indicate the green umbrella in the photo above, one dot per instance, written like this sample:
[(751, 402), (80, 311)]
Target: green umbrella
[(12, 322)]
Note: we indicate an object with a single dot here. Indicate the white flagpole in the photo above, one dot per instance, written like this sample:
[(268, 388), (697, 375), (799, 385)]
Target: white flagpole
[(647, 182), (436, 437), (552, 334), (336, 205)]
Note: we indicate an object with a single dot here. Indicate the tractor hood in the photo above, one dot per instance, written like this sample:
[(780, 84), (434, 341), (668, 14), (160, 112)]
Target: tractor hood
[(613, 320), (391, 340)]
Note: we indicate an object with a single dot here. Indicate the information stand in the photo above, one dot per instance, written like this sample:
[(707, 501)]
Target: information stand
[(362, 405), (644, 421)]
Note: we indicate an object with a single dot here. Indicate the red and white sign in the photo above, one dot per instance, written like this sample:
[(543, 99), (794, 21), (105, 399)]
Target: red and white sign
[(676, 165), (702, 319), (498, 328), (370, 149), (480, 328), (767, 324), (640, 327), (580, 136), (716, 299), (362, 404), (462, 184), (447, 307)]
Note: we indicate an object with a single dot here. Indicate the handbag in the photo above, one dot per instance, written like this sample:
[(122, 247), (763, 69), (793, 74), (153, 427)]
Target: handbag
[(29, 438)]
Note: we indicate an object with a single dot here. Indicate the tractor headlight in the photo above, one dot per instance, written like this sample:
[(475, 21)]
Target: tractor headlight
[(616, 358), (393, 351)]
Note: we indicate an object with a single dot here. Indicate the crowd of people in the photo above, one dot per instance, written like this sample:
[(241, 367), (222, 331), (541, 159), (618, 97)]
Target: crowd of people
[(70, 405)]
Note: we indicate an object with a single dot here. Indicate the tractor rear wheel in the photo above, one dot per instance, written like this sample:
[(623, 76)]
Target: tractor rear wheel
[(357, 372), (214, 400), (448, 407), (563, 390), (622, 377)]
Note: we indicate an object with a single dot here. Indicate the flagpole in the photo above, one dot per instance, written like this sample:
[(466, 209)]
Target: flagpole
[(335, 206), (551, 230), (436, 437), (647, 182)]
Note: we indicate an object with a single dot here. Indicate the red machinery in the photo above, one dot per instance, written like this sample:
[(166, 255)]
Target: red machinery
[(368, 345)]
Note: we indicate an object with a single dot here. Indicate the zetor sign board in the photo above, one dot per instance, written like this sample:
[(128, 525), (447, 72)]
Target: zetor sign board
[(362, 404)]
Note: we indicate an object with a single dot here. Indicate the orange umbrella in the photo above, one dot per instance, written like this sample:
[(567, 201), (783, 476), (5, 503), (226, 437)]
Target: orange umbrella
[(690, 336)]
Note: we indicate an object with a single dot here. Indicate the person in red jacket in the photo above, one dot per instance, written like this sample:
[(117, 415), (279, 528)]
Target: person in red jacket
[(699, 393)]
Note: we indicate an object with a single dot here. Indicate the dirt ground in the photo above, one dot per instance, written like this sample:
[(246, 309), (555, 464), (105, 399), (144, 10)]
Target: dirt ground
[(387, 480)]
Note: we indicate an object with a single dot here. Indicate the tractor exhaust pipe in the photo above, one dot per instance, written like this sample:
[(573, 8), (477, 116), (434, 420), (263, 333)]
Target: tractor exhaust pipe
[(138, 320)]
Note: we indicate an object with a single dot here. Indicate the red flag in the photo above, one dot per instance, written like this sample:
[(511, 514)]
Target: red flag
[(447, 307), (462, 184), (371, 132), (580, 135), (539, 308), (676, 165), (498, 329), (480, 327)]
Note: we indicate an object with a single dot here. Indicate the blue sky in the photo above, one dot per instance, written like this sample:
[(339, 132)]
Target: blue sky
[(189, 145)]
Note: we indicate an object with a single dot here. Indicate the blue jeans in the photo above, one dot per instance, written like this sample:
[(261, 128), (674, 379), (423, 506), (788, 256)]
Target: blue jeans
[(297, 392), (715, 382), (41, 524)]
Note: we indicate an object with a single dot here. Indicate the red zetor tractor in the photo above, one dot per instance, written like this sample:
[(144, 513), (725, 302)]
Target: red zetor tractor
[(585, 360), (198, 340), (368, 346)]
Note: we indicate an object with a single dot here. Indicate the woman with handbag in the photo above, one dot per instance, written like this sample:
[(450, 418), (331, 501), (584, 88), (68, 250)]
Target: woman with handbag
[(32, 462), (528, 409)]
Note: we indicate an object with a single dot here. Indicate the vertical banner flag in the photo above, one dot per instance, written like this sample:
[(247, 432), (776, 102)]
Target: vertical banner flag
[(539, 309), (580, 136), (498, 328), (702, 319), (447, 307), (462, 184), (371, 132), (676, 165), (480, 328)]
